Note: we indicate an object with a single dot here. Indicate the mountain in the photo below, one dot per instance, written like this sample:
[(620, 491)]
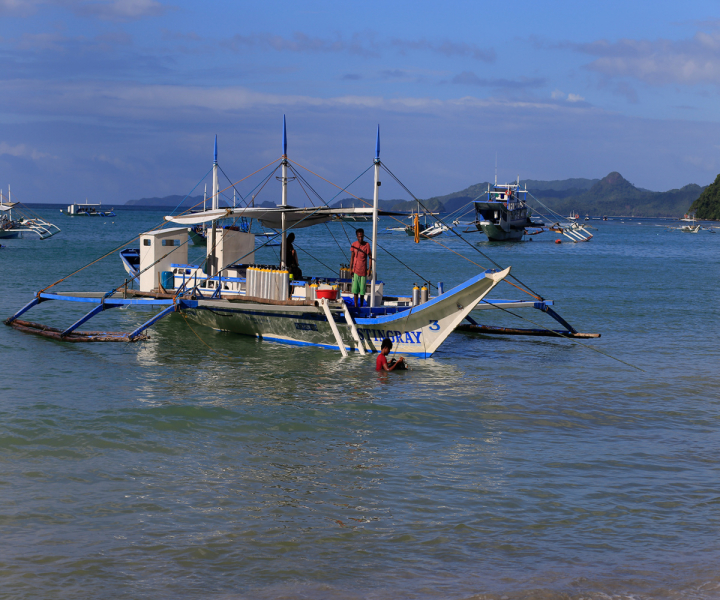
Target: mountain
[(395, 205), (707, 206), (611, 195), (166, 201), (615, 195), (177, 201)]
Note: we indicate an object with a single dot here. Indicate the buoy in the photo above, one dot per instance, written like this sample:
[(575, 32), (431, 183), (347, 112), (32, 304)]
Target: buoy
[(558, 241)]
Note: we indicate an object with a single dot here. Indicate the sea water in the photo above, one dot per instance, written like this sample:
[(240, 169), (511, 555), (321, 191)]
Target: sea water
[(202, 464)]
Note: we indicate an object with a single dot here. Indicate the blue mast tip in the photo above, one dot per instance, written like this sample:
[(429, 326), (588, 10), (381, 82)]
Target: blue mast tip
[(377, 144), (216, 147), (284, 137)]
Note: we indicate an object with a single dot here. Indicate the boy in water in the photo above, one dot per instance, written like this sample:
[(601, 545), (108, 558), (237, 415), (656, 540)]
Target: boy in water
[(381, 364), (359, 255)]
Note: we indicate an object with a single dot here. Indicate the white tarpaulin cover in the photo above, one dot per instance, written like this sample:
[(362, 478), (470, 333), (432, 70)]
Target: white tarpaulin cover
[(272, 217)]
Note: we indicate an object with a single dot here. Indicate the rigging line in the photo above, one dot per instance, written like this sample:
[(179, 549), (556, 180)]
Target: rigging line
[(159, 226), (246, 177), (527, 290), (399, 221), (264, 183), (334, 184), (425, 279), (315, 258), (190, 192), (562, 335), (300, 180), (232, 185)]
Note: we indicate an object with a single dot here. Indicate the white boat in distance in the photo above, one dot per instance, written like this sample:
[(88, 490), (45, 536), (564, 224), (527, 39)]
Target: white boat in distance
[(13, 227)]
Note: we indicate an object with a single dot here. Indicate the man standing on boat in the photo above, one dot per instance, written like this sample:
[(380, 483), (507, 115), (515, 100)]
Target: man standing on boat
[(359, 255)]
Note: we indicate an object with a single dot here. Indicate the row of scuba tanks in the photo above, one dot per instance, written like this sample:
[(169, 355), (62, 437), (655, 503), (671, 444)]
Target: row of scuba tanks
[(267, 281)]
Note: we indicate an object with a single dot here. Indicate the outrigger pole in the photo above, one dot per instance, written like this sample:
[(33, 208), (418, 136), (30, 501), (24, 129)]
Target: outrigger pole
[(373, 259)]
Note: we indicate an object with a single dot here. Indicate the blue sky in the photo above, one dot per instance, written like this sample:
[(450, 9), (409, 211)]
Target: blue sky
[(120, 99)]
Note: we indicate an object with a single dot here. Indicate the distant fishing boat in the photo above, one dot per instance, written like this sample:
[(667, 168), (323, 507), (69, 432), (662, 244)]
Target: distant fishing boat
[(88, 210), (229, 291), (13, 227)]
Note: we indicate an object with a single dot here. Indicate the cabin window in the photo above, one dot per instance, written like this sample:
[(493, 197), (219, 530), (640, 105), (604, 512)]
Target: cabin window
[(171, 242), (147, 242)]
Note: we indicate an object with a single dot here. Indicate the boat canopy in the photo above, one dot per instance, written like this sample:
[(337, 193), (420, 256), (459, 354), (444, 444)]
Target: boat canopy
[(272, 217), (9, 206)]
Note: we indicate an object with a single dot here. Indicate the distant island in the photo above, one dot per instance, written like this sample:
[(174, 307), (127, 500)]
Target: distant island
[(611, 195), (181, 202), (707, 206)]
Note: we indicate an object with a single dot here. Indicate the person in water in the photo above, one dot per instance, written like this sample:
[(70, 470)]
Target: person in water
[(291, 258), (381, 364), (359, 255)]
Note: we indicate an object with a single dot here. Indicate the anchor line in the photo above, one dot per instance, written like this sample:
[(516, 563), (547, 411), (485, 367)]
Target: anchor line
[(528, 289), (203, 341), (562, 335)]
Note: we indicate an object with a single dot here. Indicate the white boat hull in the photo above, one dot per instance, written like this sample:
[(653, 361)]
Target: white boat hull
[(418, 331)]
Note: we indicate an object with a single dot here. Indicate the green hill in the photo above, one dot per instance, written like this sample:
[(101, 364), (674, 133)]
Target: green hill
[(611, 195), (707, 206)]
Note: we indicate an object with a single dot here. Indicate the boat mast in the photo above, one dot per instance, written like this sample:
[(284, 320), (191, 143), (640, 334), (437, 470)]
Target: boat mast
[(212, 266), (284, 194), (373, 260), (216, 186)]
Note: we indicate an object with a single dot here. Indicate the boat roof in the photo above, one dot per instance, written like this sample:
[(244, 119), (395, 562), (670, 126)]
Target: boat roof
[(7, 206), (166, 231), (272, 217)]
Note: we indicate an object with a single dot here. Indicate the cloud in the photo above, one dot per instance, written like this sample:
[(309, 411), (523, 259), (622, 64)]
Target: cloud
[(18, 8), (109, 10), (358, 44), (120, 10), (351, 77), (572, 98), (470, 78), (447, 48), (22, 151), (657, 62), (361, 44)]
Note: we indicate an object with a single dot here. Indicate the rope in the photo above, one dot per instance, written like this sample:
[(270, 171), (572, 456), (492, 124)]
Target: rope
[(300, 180), (203, 341), (137, 236), (562, 335), (191, 191), (528, 290)]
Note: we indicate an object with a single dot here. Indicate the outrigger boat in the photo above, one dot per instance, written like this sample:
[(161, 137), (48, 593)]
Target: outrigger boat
[(504, 214), (88, 210), (230, 292), (14, 227)]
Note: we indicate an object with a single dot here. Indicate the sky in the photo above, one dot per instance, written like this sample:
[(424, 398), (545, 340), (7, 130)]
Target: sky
[(112, 100)]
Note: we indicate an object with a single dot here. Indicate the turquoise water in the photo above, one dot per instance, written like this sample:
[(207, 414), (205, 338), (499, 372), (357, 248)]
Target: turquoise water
[(206, 465)]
